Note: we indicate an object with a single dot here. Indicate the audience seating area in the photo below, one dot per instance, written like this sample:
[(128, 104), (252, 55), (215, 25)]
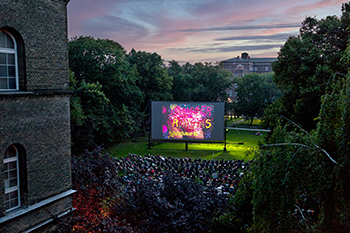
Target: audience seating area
[(224, 175)]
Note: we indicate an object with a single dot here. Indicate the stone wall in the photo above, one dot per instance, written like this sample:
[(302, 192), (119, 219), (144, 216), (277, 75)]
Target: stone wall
[(36, 118), (41, 126), (39, 219), (42, 25)]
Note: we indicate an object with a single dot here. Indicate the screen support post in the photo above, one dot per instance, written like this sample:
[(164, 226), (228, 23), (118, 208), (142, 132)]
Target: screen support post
[(225, 130), (150, 124), (225, 137)]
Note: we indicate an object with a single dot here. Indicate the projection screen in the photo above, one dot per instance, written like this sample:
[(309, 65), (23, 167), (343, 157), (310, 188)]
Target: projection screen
[(188, 121)]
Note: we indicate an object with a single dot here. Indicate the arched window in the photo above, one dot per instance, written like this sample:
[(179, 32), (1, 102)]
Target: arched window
[(8, 62), (12, 178)]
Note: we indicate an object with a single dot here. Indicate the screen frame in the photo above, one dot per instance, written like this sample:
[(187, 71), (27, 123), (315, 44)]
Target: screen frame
[(157, 120)]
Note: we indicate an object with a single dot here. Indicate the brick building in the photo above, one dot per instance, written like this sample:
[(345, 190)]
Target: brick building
[(245, 64), (35, 150), (240, 66)]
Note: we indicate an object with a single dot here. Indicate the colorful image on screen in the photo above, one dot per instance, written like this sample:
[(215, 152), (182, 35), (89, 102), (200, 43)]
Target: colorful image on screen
[(190, 121), (187, 121)]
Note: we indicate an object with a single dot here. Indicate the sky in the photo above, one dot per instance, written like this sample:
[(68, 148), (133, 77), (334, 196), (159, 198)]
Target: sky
[(196, 30)]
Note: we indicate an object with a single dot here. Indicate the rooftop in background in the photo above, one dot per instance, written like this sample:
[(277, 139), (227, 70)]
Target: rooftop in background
[(245, 64), (269, 59), (246, 57), (240, 66)]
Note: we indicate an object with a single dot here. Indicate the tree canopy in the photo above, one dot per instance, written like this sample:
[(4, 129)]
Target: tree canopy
[(105, 61), (105, 91), (255, 92), (306, 63), (199, 82), (90, 121), (111, 89), (299, 179), (182, 88), (154, 81)]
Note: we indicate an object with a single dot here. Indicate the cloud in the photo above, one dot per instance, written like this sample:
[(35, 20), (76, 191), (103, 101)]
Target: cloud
[(311, 8), (227, 48), (245, 27), (195, 29), (282, 36), (109, 25), (216, 44), (81, 11)]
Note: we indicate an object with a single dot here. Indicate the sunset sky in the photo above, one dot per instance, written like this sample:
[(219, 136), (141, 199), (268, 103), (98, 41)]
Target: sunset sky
[(196, 30)]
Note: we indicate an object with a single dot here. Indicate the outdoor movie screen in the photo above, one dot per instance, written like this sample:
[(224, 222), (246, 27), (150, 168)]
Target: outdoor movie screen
[(188, 121)]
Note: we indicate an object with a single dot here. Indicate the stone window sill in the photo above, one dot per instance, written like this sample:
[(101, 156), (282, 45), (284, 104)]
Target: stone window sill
[(24, 210)]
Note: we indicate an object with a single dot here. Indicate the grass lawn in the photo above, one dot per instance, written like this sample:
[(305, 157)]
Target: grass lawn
[(256, 122), (242, 121), (195, 150), (229, 121)]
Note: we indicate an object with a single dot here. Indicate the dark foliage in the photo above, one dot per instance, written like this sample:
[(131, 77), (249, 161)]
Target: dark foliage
[(173, 205), (104, 202), (94, 168), (239, 214), (301, 180), (306, 63)]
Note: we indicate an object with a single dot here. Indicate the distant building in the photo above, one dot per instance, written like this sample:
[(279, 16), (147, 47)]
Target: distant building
[(240, 66), (35, 149)]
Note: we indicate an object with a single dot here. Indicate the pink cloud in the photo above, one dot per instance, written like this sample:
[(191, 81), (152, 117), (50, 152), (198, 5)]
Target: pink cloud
[(79, 11), (157, 25), (310, 8)]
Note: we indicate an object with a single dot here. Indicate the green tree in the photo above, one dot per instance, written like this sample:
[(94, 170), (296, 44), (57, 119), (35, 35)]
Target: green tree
[(104, 61), (154, 80), (301, 180), (333, 134), (206, 82), (306, 62), (90, 116), (255, 92), (76, 110), (182, 89), (209, 82), (272, 113), (102, 65)]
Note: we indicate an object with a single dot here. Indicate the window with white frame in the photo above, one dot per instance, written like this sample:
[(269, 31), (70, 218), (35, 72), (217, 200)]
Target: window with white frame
[(11, 178), (8, 62)]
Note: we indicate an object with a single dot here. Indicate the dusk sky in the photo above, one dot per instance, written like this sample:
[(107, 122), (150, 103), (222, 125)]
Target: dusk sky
[(196, 30)]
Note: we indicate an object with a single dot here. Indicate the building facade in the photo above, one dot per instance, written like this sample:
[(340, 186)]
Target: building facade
[(35, 149), (240, 66)]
